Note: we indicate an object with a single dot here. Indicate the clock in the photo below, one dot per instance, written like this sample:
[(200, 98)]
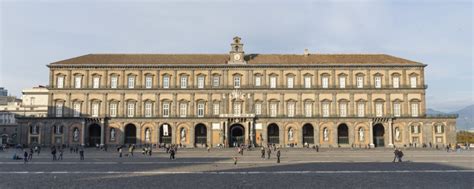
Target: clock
[(237, 57)]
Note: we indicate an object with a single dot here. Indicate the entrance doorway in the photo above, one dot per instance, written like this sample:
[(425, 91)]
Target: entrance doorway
[(200, 135), (273, 133), (130, 134), (379, 133), (94, 135), (165, 134), (342, 134), (237, 136), (308, 134)]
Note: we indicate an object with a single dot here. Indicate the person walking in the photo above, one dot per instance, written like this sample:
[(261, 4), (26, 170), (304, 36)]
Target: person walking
[(81, 153), (235, 160), (120, 152), (25, 157), (396, 153), (269, 153), (263, 152), (172, 154), (278, 156), (60, 154), (30, 155), (400, 155), (53, 152)]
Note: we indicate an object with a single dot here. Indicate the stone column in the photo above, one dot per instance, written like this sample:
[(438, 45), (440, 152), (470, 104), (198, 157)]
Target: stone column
[(281, 135), (316, 134), (371, 134), (102, 133), (83, 133), (252, 135), (226, 128), (247, 129), (192, 135), (299, 135), (390, 133), (221, 133), (139, 134)]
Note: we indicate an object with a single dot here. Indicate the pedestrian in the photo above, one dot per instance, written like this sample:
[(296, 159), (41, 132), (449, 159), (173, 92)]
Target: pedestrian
[(53, 152), (447, 148), (278, 156), (317, 148), (71, 149), (25, 157), (60, 154), (39, 150), (120, 152), (81, 153), (208, 149), (235, 160), (172, 154), (269, 152), (400, 155), (130, 150), (30, 155), (263, 152), (396, 153)]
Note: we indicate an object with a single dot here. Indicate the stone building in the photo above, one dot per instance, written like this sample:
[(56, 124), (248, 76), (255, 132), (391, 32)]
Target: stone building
[(237, 98)]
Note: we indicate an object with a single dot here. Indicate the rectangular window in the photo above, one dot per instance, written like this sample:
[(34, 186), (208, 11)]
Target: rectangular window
[(379, 109), (308, 109), (95, 82), (200, 110), (290, 82), (131, 82), (148, 109), (77, 109), (113, 82), (184, 82), (148, 82), (183, 109), (396, 82), (258, 81), (216, 109), (236, 82), (166, 110), (258, 109), (307, 82), (360, 82), (113, 110), (201, 82), (273, 82), (396, 109), (273, 109), (343, 110), (325, 82), (325, 109), (237, 108), (59, 109), (60, 82), (342, 82), (131, 109), (414, 110), (95, 109), (291, 109), (378, 82), (215, 81), (77, 82), (413, 82), (361, 110), (166, 82)]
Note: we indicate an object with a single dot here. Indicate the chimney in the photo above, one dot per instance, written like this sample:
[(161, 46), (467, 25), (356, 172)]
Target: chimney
[(306, 52)]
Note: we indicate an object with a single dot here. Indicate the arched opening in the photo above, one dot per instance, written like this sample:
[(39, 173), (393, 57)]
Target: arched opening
[(273, 133), (165, 134), (200, 135), (130, 134), (94, 134), (343, 134), (379, 132), (308, 134), (236, 135), (4, 139)]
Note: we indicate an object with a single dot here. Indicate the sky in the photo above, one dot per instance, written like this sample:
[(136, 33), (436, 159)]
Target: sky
[(438, 33)]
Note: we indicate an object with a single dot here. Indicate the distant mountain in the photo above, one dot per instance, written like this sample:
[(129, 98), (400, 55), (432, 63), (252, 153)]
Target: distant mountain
[(434, 112), (465, 121)]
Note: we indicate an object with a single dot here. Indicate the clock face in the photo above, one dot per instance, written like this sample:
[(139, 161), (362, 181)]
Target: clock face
[(237, 57)]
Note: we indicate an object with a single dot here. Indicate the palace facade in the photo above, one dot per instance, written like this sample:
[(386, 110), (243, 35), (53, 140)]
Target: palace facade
[(236, 98)]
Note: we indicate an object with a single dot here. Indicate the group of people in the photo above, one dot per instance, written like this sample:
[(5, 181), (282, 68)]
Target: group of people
[(398, 155), (268, 151)]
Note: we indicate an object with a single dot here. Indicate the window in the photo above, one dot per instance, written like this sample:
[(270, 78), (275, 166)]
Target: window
[(32, 101), (273, 109), (378, 82), (291, 109), (60, 82), (308, 109), (77, 109), (215, 81), (200, 111), (396, 82), (166, 82), (290, 82), (325, 109), (216, 109), (307, 82), (131, 109), (183, 109), (148, 82), (343, 109), (360, 81), (131, 82), (414, 110), (184, 82), (258, 81), (59, 109), (325, 81), (148, 109), (273, 82), (113, 82), (413, 81), (342, 82), (95, 109), (361, 109), (166, 109), (113, 109), (379, 109), (200, 82), (236, 82), (96, 82), (77, 81), (237, 108), (396, 109), (258, 109), (439, 129), (415, 129)]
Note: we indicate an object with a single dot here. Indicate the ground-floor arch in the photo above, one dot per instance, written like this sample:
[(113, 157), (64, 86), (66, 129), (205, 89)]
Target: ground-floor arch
[(308, 134), (94, 134), (273, 133), (379, 134), (130, 134), (165, 133), (342, 134), (236, 135), (200, 135)]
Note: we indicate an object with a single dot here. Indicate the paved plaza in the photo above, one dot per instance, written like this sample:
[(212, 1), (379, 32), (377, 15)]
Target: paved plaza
[(197, 168)]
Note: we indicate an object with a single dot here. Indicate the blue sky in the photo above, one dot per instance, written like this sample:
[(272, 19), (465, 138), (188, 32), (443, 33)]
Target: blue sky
[(437, 33)]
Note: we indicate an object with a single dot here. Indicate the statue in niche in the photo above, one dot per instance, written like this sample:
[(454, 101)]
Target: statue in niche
[(35, 129), (361, 134), (397, 133), (290, 134), (325, 134), (112, 134), (183, 135), (147, 135), (75, 136)]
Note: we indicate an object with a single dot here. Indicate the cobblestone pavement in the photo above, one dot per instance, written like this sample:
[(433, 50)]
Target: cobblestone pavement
[(197, 168)]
